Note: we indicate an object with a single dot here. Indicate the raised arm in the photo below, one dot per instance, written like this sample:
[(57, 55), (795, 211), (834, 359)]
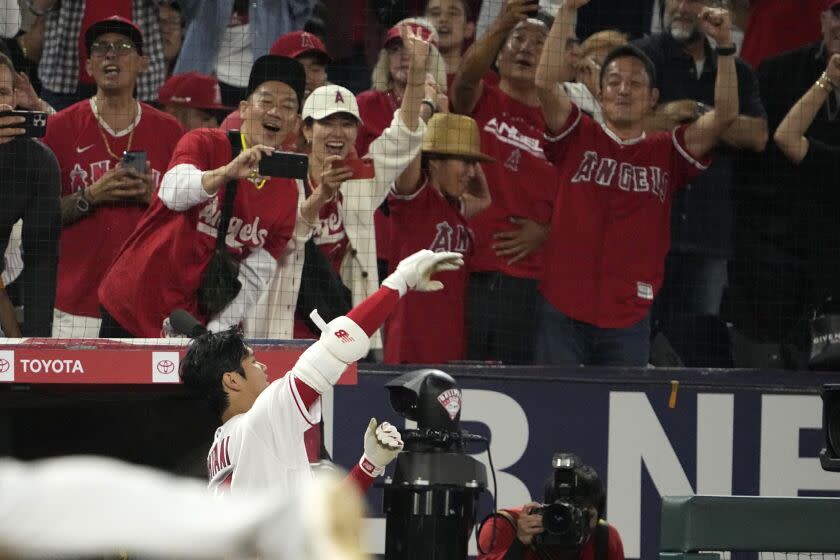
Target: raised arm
[(466, 89), (790, 136), (706, 132), (556, 104), (415, 88)]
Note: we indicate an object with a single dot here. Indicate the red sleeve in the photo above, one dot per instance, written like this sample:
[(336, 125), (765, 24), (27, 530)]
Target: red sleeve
[(362, 480), (616, 550), (372, 312), (685, 166), (204, 148), (505, 534), (556, 142)]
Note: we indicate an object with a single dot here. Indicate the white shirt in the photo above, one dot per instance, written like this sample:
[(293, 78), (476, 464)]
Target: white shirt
[(263, 448), (234, 61)]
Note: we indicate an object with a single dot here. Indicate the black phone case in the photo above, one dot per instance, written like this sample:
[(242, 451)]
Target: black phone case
[(136, 161), (288, 165), (35, 125)]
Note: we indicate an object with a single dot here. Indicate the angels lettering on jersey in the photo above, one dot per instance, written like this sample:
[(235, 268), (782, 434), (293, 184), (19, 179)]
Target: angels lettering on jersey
[(80, 178), (239, 234), (456, 238), (607, 172), (516, 132)]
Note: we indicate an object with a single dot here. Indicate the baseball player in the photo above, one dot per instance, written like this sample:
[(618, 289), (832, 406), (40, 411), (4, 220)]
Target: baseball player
[(102, 199), (610, 229), (93, 506), (260, 443)]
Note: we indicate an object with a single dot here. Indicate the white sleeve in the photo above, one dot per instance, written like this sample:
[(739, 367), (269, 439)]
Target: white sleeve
[(10, 22), (279, 413), (90, 506), (181, 188), (392, 151), (255, 272)]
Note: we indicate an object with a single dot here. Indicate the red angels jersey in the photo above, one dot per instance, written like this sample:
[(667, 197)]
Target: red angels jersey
[(264, 447), (161, 265), (89, 245), (428, 327), (522, 182), (330, 235), (611, 226)]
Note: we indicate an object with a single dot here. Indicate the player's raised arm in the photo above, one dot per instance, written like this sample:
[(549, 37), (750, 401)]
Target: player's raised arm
[(556, 104), (705, 132), (346, 339), (790, 136)]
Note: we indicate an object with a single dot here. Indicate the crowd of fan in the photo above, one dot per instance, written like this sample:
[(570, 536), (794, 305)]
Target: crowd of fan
[(100, 249)]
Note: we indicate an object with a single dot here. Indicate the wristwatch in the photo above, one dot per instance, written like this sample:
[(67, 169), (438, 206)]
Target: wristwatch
[(82, 202)]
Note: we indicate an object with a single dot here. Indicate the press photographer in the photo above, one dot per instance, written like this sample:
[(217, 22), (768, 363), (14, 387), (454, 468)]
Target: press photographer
[(568, 525)]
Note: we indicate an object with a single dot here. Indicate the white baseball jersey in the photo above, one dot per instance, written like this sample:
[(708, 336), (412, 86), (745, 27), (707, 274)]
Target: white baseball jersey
[(264, 448)]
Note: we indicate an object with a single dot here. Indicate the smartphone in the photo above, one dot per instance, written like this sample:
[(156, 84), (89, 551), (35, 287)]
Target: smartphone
[(289, 165), (362, 168), (135, 161), (536, 8), (35, 125)]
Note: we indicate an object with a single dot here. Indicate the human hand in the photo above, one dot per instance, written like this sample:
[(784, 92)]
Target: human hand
[(120, 184), (333, 176), (833, 70), (589, 74), (415, 271), (245, 165), (25, 95), (8, 126), (383, 443), (717, 24), (529, 524), (418, 50), (681, 111), (512, 12), (519, 243)]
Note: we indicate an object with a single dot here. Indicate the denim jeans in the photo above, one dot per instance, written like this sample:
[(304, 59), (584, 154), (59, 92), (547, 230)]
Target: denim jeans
[(562, 340)]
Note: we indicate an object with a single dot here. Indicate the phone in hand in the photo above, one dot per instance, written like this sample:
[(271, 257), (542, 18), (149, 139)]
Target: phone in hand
[(135, 161), (35, 125), (536, 8), (362, 168), (289, 165)]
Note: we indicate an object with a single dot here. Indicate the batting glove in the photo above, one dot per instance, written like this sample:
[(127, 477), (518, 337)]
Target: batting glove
[(415, 271), (382, 445)]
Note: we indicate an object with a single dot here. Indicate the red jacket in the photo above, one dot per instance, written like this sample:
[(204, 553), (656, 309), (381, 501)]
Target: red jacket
[(506, 534)]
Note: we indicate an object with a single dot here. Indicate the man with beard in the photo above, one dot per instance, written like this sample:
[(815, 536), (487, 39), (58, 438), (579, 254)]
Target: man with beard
[(702, 217)]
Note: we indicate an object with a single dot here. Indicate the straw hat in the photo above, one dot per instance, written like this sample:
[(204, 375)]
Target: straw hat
[(453, 135)]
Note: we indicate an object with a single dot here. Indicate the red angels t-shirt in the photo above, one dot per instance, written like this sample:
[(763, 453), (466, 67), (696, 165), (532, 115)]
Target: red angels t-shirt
[(160, 267), (377, 110), (611, 226), (522, 182), (330, 236), (428, 327), (89, 245)]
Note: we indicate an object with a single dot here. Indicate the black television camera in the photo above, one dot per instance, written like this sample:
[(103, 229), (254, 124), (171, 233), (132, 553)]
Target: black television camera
[(431, 499), (566, 520)]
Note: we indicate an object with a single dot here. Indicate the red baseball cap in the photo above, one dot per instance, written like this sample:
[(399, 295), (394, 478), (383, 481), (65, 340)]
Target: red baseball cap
[(297, 43), (192, 89), (423, 30), (114, 24)]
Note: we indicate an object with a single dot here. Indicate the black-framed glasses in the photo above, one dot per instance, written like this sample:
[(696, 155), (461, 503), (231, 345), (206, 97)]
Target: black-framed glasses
[(120, 48)]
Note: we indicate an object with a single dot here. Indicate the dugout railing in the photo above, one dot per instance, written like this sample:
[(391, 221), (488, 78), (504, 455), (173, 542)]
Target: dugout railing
[(706, 527)]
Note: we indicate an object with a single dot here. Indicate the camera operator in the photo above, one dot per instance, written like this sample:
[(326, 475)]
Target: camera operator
[(538, 531)]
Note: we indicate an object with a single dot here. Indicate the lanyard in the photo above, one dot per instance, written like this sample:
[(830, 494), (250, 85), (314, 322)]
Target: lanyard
[(245, 147)]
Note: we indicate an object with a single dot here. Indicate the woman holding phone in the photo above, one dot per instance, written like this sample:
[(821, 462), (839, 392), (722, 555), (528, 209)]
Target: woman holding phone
[(341, 193)]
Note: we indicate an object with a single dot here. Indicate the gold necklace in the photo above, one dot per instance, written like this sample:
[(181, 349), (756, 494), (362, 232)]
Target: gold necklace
[(105, 138), (245, 147)]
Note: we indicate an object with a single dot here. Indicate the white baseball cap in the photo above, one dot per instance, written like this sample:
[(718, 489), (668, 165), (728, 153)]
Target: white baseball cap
[(328, 100)]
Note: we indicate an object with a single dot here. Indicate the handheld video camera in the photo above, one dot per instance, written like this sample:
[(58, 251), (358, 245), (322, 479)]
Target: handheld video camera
[(566, 519)]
